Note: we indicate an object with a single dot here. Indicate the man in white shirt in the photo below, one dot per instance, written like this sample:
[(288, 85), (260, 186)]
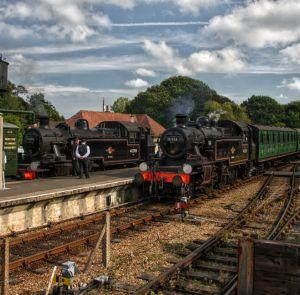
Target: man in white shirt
[(82, 154)]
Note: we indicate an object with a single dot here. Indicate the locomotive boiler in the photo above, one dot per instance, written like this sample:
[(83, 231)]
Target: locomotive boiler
[(202, 154), (111, 143)]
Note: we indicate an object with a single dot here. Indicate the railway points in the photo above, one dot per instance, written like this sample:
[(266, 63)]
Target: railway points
[(211, 267)]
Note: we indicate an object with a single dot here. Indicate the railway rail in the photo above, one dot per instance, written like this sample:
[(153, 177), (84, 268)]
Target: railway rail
[(210, 267), (62, 238)]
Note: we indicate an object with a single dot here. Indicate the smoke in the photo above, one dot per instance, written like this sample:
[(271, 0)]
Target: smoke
[(182, 105), (215, 115), (40, 109)]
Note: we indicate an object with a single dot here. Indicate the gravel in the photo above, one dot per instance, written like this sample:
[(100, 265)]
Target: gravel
[(140, 252)]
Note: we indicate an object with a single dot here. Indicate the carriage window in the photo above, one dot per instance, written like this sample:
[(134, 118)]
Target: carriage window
[(124, 132), (132, 137)]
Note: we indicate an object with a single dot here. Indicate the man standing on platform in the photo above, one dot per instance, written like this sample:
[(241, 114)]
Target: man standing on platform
[(82, 154), (75, 169)]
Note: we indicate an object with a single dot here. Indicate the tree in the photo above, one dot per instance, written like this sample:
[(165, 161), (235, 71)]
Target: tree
[(121, 105), (175, 95), (292, 114), (264, 110), (225, 111), (42, 107)]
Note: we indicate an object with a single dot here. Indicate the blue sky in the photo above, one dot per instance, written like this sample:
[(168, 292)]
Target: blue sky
[(79, 51)]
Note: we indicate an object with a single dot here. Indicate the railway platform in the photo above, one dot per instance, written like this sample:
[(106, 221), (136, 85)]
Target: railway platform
[(29, 204)]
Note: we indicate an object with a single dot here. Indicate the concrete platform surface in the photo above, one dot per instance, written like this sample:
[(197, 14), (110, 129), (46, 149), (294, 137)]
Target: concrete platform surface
[(22, 192)]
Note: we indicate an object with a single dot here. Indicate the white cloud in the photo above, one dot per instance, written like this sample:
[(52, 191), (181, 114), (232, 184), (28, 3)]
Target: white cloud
[(158, 24), (166, 55), (293, 84), (57, 89), (185, 6), (259, 24), (194, 6), (226, 60), (221, 61), (57, 18), (15, 31), (291, 54), (145, 72), (20, 63), (137, 83)]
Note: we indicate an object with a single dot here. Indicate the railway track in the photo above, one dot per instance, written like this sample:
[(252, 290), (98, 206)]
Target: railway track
[(210, 267), (52, 241)]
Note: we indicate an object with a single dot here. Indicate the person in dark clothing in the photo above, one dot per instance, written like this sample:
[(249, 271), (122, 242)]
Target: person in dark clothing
[(75, 169), (82, 154)]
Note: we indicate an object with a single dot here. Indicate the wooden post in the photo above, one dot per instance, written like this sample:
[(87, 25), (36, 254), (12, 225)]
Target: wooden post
[(245, 267), (5, 267), (106, 242), (1, 152)]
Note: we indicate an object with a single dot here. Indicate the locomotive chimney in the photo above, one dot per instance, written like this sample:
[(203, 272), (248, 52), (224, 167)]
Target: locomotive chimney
[(181, 119), (44, 121)]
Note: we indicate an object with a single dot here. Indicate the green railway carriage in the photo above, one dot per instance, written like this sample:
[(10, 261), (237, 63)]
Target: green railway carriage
[(274, 142), (10, 147)]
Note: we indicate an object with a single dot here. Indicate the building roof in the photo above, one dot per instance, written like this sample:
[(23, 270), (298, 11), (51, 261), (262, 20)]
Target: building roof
[(94, 118)]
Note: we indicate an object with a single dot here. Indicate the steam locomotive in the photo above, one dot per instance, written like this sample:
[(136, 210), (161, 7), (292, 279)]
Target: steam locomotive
[(202, 154), (111, 143)]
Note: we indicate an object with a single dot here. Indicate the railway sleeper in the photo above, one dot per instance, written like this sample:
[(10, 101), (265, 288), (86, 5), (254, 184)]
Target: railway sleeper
[(215, 266), (222, 259), (194, 287), (207, 276)]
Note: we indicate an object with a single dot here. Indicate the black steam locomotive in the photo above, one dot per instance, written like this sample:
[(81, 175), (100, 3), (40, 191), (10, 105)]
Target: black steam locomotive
[(202, 154), (111, 143)]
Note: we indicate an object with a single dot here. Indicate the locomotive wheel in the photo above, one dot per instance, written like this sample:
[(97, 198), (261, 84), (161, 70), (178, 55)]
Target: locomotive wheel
[(208, 188), (232, 176), (221, 184)]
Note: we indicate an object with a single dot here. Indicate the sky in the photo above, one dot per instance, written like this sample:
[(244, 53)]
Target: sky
[(78, 52)]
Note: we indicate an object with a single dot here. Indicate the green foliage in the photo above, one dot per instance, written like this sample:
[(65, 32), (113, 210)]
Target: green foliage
[(226, 111), (174, 95), (12, 100), (292, 114), (121, 105), (264, 110), (41, 106)]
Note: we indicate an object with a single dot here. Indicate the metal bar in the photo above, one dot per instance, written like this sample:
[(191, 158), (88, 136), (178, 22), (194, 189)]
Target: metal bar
[(31, 113), (93, 252), (51, 280), (106, 243)]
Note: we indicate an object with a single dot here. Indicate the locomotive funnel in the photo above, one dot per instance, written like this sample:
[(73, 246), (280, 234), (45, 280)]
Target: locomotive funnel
[(44, 121), (181, 120)]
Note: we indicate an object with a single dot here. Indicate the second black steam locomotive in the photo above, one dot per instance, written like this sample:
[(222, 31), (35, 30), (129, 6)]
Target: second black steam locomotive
[(202, 154), (111, 143)]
